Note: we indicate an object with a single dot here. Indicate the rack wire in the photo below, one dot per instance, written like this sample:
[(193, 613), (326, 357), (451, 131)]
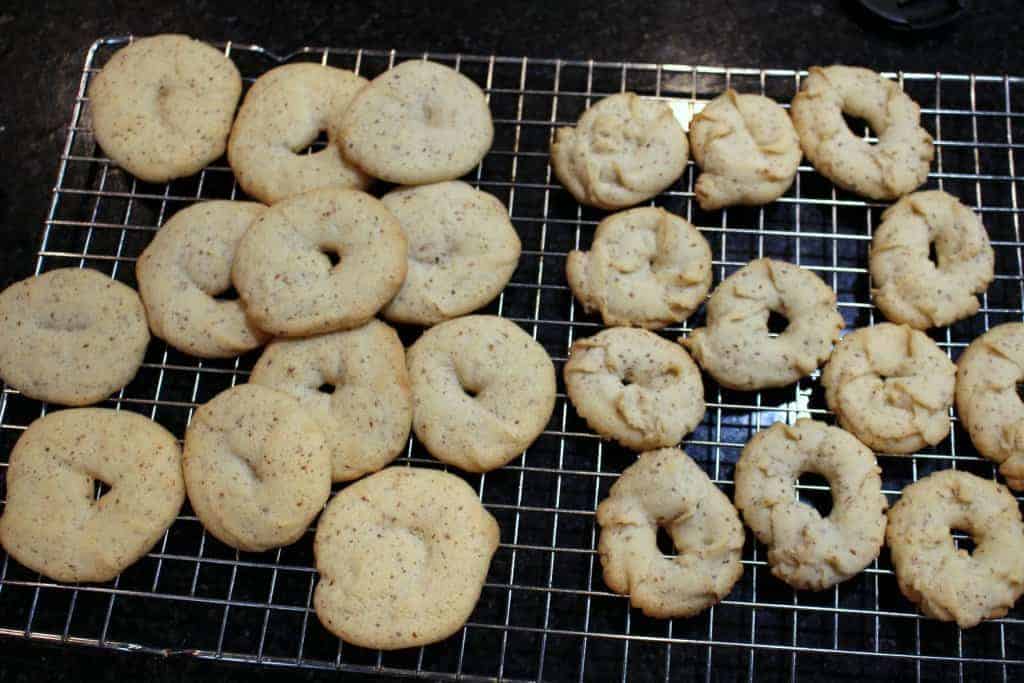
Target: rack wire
[(545, 612)]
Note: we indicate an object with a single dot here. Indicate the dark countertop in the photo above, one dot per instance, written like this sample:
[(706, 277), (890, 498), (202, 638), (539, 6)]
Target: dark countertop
[(42, 46)]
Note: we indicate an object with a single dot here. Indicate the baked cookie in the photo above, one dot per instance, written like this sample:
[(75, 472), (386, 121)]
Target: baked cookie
[(162, 106), (257, 467), (71, 336), (624, 150), (891, 386), (666, 489), (285, 277), (420, 122), (747, 150), (282, 114), (463, 250), (482, 390), (56, 525), (402, 555), (366, 412), (806, 550), (896, 165), (182, 271), (635, 387), (987, 401), (948, 583), (736, 347), (646, 268), (909, 287)]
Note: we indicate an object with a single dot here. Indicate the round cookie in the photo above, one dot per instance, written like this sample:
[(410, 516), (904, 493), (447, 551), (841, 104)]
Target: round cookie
[(282, 114), (896, 165), (891, 386), (463, 250), (53, 522), (185, 267), (420, 122), (806, 550), (909, 287), (736, 347), (988, 404), (666, 489), (482, 389), (162, 106), (624, 150), (367, 412), (646, 268), (431, 544), (635, 387), (951, 584), (257, 467), (71, 336), (284, 275), (747, 149)]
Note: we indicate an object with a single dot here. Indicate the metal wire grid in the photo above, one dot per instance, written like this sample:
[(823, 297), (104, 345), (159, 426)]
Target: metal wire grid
[(545, 612)]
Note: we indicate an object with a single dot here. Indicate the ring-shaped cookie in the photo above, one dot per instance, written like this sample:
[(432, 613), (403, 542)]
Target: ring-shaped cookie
[(806, 550)]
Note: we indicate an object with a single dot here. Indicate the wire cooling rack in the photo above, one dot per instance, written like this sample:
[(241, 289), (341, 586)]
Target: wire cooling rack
[(545, 612)]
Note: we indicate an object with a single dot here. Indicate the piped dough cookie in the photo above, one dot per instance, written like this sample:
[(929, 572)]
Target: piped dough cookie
[(747, 149), (53, 522), (402, 555), (911, 288), (162, 106), (666, 489), (483, 390), (988, 374), (635, 387), (463, 250), (806, 550), (282, 114), (420, 122), (736, 347), (285, 277), (891, 386), (896, 165), (355, 384), (624, 150), (71, 336), (182, 271), (646, 268), (948, 583), (257, 467)]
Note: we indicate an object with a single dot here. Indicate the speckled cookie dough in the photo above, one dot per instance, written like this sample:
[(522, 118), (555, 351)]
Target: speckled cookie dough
[(646, 268), (951, 584), (635, 387), (71, 336), (987, 401), (736, 347), (53, 522), (420, 122), (162, 106), (891, 386), (911, 288), (483, 390), (257, 467), (463, 250), (624, 150), (185, 267), (431, 544), (367, 412), (284, 275), (806, 550), (747, 149), (665, 488), (282, 114)]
